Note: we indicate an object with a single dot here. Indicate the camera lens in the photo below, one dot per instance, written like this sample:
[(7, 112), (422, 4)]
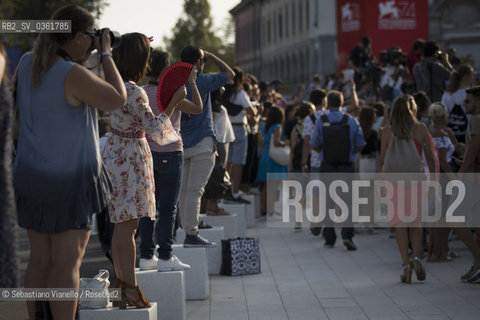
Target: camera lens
[(115, 37)]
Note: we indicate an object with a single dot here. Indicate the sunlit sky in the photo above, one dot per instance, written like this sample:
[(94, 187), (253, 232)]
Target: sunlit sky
[(155, 17)]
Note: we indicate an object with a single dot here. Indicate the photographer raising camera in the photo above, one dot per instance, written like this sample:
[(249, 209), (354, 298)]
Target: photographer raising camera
[(395, 73), (59, 177)]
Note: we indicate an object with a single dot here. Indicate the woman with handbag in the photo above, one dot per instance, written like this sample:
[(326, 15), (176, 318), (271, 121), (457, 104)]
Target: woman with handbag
[(273, 147), (402, 144)]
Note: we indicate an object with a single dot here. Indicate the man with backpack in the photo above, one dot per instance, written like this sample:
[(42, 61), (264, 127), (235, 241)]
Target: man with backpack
[(338, 137)]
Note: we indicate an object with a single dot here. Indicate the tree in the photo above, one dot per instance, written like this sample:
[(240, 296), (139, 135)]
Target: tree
[(39, 10), (195, 27)]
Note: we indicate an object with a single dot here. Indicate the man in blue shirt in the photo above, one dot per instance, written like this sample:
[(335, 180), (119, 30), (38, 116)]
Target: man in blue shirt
[(199, 143), (319, 143)]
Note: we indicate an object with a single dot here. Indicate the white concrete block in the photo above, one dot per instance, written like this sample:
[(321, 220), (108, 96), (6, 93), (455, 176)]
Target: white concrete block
[(257, 205), (256, 195), (250, 210), (214, 255), (229, 224), (118, 314), (167, 289), (239, 209), (197, 284)]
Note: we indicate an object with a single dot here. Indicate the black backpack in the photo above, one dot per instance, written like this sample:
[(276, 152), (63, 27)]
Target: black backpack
[(458, 122), (336, 141), (232, 108)]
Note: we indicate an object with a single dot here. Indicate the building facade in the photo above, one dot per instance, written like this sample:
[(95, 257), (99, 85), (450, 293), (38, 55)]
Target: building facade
[(295, 38), (292, 40), (456, 24)]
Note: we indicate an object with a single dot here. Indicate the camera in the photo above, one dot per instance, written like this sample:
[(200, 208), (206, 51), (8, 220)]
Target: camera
[(440, 55), (392, 56), (115, 36)]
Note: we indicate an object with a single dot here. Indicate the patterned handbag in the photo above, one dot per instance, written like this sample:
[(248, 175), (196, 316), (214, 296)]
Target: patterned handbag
[(240, 256)]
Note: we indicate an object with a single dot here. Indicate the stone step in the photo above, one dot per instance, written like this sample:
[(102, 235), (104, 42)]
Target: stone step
[(197, 284), (120, 314), (214, 255), (167, 289), (251, 209), (239, 210), (229, 224)]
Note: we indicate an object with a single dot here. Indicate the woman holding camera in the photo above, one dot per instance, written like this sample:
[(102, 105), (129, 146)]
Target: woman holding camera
[(129, 161), (58, 173)]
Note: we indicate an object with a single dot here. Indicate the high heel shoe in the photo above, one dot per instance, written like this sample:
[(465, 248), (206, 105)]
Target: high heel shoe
[(419, 270), (406, 276), (138, 301), (118, 285)]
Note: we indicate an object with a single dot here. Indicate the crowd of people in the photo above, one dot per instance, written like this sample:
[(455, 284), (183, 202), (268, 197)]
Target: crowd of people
[(154, 166)]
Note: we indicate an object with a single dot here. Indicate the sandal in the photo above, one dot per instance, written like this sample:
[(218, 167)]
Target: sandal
[(453, 255), (203, 225), (138, 301), (406, 276), (118, 285), (419, 270), (436, 258), (217, 212)]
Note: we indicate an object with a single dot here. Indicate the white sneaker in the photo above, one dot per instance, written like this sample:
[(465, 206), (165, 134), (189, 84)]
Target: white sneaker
[(148, 264), (172, 264)]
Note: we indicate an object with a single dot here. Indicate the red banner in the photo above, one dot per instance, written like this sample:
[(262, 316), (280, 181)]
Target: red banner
[(387, 22)]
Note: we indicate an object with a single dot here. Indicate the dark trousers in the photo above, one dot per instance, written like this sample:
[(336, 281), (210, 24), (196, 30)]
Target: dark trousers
[(251, 163), (167, 168), (329, 232)]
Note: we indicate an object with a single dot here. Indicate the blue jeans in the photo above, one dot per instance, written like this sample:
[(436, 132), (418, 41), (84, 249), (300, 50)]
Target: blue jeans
[(167, 169)]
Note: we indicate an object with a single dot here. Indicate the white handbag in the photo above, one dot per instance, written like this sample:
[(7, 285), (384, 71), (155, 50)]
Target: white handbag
[(280, 155), (98, 283)]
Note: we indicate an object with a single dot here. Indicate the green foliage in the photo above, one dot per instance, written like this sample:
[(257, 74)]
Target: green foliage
[(39, 10), (195, 27)]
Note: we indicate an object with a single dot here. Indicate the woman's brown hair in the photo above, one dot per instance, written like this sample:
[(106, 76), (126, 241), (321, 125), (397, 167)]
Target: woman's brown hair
[(47, 44), (132, 56), (403, 116), (366, 119), (275, 116), (457, 76)]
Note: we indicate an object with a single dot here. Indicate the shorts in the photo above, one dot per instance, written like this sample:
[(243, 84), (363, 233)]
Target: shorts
[(237, 152)]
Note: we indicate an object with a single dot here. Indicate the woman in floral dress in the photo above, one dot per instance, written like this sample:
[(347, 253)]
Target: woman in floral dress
[(129, 163)]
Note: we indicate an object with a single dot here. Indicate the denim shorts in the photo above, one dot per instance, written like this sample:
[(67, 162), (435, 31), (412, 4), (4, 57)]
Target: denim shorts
[(237, 152)]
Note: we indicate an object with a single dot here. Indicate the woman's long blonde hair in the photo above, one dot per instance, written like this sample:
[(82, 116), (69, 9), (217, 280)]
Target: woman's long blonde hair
[(403, 116), (47, 44)]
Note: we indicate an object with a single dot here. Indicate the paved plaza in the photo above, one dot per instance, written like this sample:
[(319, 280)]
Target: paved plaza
[(302, 280)]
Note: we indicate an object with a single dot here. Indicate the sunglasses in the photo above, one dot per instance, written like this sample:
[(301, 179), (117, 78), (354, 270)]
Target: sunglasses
[(204, 60), (92, 34)]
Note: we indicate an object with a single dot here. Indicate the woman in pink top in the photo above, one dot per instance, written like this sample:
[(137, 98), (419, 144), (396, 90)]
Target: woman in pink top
[(167, 170)]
